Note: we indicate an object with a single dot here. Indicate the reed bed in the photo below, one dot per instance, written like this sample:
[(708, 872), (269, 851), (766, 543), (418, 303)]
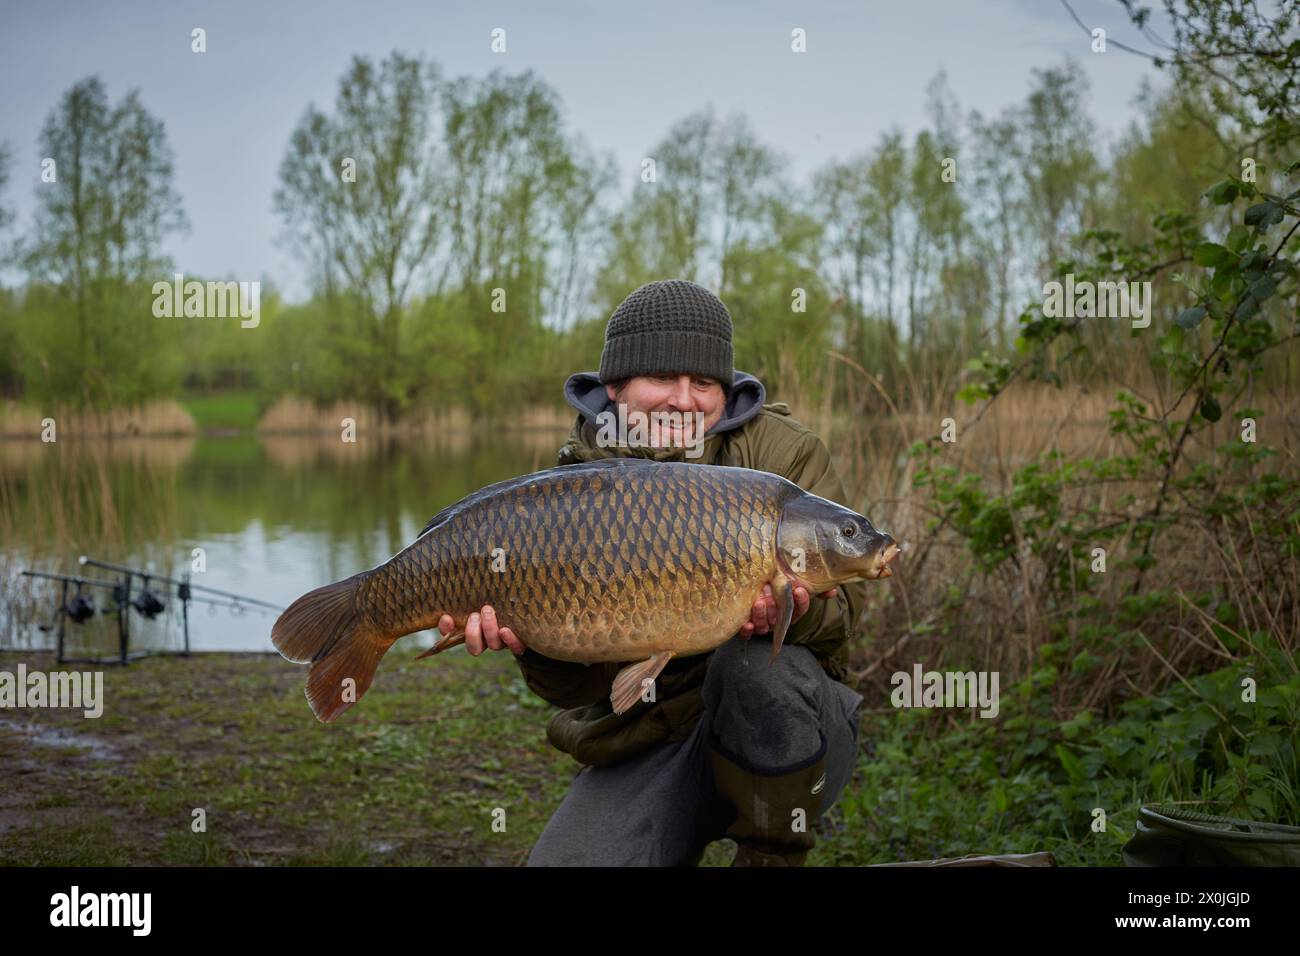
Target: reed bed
[(291, 415), (161, 417), (944, 609)]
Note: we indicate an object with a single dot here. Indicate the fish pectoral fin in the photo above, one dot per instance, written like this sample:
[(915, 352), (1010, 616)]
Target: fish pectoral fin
[(629, 684), (783, 591), (451, 640)]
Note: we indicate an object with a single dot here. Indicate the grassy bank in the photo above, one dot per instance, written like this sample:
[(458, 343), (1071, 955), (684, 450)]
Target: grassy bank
[(291, 415), (224, 411), (938, 783), (413, 777)]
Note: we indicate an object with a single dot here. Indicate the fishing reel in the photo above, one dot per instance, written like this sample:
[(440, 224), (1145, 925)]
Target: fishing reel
[(79, 609), (147, 603)]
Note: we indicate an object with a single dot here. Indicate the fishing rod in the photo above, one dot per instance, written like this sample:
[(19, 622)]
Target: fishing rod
[(184, 591), (70, 578), (236, 607), (80, 610), (148, 604), (149, 576)]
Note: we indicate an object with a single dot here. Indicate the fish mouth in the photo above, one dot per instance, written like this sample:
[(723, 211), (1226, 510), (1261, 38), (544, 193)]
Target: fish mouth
[(880, 566)]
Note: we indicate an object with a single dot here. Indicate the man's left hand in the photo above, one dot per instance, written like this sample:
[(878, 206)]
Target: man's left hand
[(762, 616)]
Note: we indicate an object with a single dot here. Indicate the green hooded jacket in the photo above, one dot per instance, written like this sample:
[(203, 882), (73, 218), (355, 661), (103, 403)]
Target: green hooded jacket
[(751, 434)]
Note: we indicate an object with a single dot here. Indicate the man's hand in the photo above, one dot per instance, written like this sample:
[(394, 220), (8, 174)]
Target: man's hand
[(483, 629), (762, 616)]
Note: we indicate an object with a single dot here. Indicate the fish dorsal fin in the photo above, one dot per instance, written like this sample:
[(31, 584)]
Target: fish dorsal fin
[(617, 461), (500, 486)]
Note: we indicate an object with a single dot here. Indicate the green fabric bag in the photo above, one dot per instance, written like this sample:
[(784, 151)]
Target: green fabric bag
[(1169, 836)]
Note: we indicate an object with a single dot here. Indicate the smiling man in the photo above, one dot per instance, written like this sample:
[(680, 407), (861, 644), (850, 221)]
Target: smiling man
[(662, 410), (729, 745)]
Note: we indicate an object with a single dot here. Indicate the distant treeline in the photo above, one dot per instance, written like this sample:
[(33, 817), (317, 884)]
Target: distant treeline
[(466, 249)]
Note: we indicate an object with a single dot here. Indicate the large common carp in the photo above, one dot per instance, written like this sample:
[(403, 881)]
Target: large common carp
[(622, 559)]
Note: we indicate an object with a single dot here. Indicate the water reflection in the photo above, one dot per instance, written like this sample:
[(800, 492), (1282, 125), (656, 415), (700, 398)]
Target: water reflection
[(275, 516)]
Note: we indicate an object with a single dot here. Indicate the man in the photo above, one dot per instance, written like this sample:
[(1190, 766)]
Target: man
[(729, 746)]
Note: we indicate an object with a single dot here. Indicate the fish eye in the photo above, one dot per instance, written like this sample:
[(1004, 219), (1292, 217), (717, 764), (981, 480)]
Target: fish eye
[(850, 531)]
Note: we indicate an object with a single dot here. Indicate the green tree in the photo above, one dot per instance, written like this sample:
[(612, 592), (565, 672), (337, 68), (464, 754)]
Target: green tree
[(10, 361), (359, 191), (998, 208), (713, 181), (97, 243), (522, 220), (861, 204), (1056, 159)]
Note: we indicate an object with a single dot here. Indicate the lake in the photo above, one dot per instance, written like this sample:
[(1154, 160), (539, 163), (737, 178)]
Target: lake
[(274, 515)]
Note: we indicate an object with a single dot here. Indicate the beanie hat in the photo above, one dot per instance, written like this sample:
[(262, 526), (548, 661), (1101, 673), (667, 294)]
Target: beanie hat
[(668, 326)]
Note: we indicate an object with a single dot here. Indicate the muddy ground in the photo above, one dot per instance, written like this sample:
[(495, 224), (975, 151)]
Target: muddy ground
[(411, 777)]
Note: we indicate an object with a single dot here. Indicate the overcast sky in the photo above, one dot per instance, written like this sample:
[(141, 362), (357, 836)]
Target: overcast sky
[(624, 71)]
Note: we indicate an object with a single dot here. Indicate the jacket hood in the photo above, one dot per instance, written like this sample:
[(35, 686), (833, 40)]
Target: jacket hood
[(584, 392)]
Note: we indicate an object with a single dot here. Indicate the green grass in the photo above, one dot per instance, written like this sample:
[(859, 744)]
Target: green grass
[(414, 773), (931, 785), (411, 776), (224, 410)]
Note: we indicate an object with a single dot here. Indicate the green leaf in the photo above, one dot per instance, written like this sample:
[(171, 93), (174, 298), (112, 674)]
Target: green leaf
[(1212, 255), (1265, 744), (1000, 802), (1210, 409), (1223, 192), (1262, 288), (1262, 800), (1201, 720), (1264, 214), (1073, 768), (1254, 261), (1238, 238), (1221, 284), (1190, 318), (1159, 774)]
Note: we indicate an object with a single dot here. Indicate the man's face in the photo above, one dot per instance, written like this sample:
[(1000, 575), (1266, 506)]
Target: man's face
[(684, 394)]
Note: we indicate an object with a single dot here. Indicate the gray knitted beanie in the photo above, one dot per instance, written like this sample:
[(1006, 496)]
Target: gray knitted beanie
[(669, 326)]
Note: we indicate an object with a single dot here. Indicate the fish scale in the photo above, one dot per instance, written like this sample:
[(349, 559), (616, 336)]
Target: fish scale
[(622, 560), (667, 563)]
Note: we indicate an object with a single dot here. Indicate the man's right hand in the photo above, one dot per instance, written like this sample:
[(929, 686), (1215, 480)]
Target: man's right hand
[(482, 629)]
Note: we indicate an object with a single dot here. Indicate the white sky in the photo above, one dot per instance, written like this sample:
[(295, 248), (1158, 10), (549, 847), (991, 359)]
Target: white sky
[(625, 72)]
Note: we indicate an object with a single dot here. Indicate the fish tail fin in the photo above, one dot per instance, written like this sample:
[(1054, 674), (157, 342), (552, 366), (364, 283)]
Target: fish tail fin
[(326, 629)]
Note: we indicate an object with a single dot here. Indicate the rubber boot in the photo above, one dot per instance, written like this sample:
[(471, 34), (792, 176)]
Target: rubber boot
[(768, 831)]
